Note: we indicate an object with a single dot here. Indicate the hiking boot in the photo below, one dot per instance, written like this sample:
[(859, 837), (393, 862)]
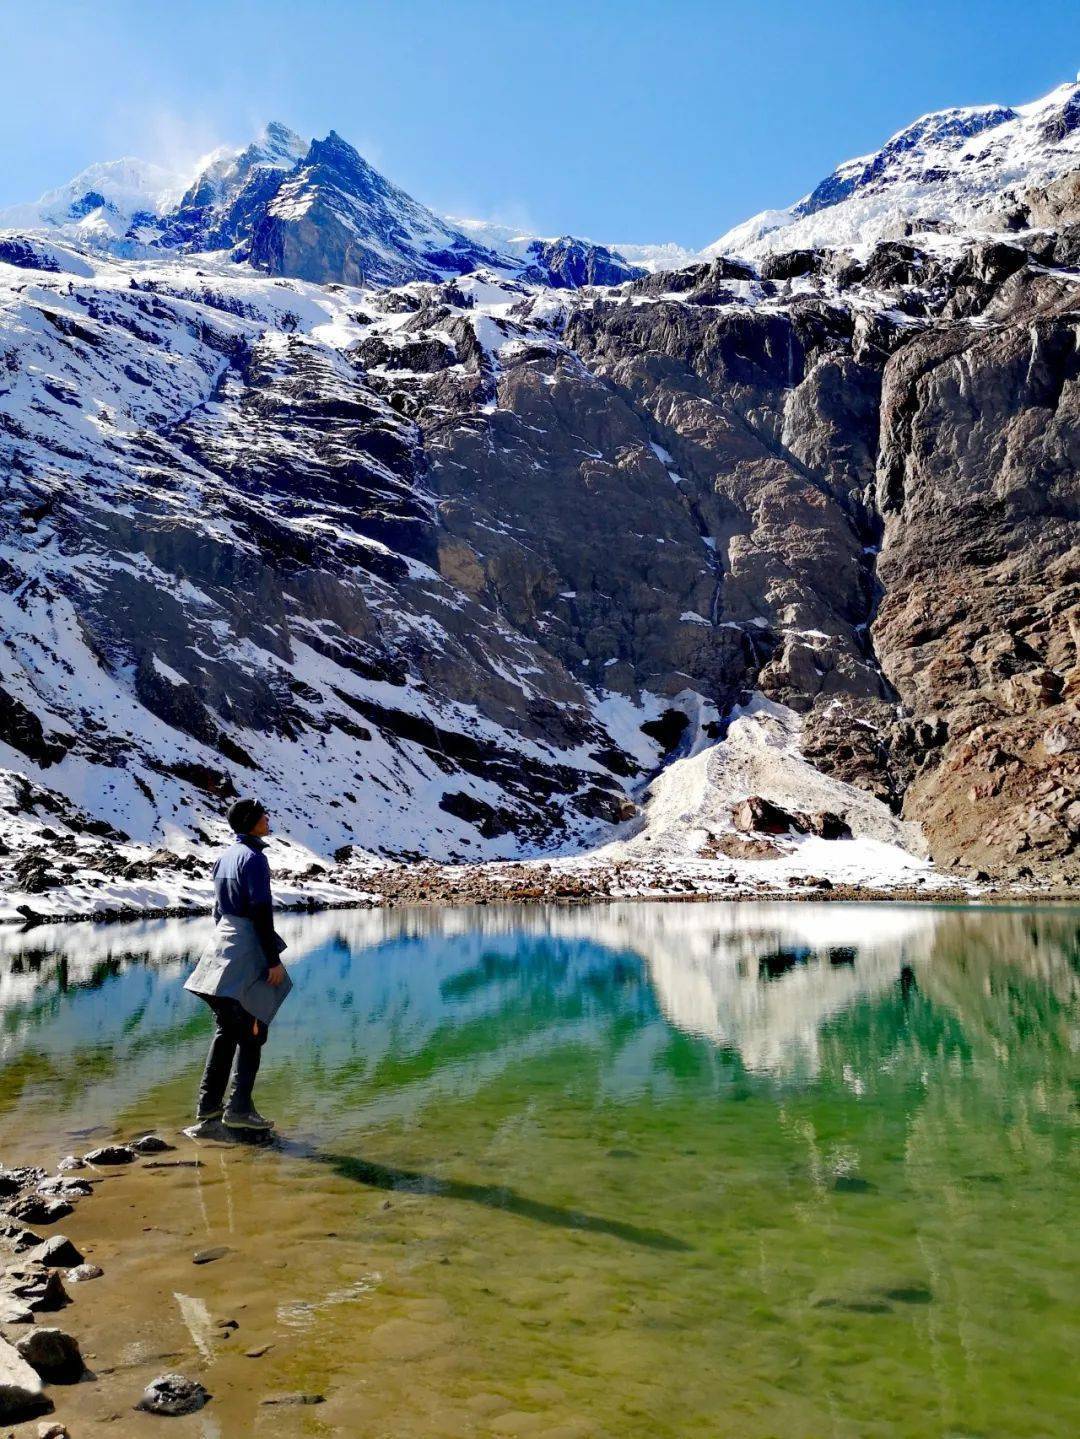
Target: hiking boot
[(205, 1115), (245, 1119)]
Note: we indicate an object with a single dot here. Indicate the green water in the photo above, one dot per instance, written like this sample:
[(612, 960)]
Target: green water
[(665, 1170)]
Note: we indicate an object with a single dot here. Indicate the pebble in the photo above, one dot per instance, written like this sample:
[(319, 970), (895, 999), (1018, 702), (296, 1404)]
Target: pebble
[(71, 1161), (207, 1256), (53, 1431), (173, 1394), (84, 1272), (294, 1399), (259, 1352)]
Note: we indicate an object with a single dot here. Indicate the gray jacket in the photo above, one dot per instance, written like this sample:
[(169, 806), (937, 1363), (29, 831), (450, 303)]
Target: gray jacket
[(235, 962)]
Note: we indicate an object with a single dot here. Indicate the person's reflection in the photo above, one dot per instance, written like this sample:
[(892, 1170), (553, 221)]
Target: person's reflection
[(908, 984)]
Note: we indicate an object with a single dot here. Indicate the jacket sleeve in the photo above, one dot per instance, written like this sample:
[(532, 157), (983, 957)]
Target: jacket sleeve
[(260, 906)]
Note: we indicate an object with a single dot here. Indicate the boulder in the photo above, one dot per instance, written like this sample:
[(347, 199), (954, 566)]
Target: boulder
[(53, 1354), (21, 1392), (35, 1286), (39, 1209), (110, 1154), (151, 1144), (761, 816), (14, 1181), (173, 1394), (828, 825), (56, 1253)]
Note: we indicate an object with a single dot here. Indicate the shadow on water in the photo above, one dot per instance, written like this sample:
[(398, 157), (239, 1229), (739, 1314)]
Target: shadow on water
[(492, 1196)]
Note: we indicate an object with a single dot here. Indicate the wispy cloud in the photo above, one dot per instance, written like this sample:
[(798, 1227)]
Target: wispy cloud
[(178, 142)]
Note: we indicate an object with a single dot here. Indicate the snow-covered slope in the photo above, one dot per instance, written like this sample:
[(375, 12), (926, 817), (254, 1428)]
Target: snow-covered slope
[(959, 168), (103, 203)]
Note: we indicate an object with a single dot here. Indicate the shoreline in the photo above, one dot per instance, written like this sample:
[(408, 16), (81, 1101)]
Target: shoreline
[(423, 890)]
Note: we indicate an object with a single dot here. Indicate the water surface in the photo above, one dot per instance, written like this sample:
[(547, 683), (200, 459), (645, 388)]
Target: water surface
[(642, 1169)]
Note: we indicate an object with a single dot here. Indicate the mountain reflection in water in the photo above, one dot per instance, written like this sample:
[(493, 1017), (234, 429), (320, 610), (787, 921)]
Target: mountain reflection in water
[(756, 1163), (94, 1011)]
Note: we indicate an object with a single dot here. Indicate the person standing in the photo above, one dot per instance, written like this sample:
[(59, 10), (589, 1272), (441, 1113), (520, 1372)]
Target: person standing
[(240, 974)]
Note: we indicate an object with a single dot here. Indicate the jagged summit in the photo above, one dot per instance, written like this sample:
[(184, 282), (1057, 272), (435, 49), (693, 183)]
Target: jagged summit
[(313, 210), (962, 166), (334, 217), (226, 199)]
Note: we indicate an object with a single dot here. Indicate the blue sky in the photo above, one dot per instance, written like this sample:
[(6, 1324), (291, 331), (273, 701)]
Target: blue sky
[(620, 119)]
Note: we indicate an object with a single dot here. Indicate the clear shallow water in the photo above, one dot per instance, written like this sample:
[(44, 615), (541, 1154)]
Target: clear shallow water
[(642, 1169)]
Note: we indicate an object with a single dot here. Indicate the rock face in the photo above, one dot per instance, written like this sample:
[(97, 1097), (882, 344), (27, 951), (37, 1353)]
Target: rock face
[(335, 218), (453, 568), (572, 264)]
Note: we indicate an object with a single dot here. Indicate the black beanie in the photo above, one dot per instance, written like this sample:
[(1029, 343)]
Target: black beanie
[(245, 814)]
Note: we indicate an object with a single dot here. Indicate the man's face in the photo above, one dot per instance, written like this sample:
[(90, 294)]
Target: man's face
[(261, 827)]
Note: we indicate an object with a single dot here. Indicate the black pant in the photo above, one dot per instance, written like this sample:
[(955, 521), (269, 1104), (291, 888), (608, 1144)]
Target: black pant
[(236, 1036)]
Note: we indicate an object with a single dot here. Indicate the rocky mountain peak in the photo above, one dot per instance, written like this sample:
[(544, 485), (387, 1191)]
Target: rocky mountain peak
[(219, 208)]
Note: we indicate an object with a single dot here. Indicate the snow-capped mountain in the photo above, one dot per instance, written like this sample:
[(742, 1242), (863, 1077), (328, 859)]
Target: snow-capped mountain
[(231, 192), (103, 203), (960, 168), (456, 550), (312, 210), (510, 240)]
